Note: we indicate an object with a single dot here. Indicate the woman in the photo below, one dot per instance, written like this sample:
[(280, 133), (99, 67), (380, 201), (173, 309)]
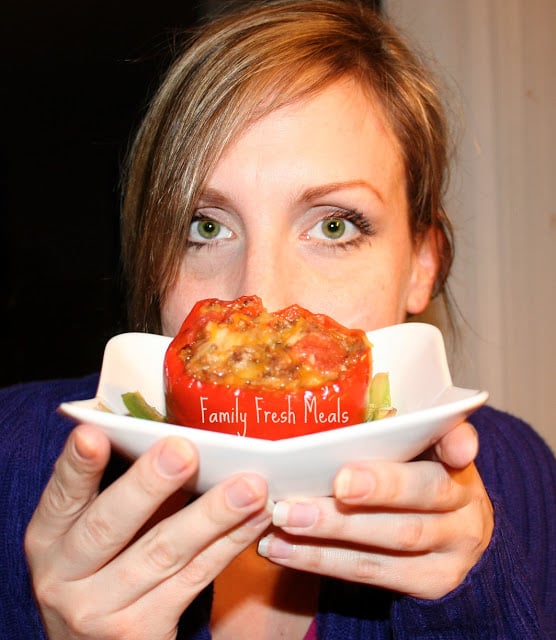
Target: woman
[(296, 151)]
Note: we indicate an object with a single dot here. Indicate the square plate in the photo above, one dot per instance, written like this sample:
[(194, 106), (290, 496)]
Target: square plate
[(413, 354)]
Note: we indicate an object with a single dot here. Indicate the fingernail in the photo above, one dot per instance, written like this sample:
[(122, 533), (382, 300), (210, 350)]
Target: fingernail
[(299, 514), (353, 484), (174, 458), (241, 494), (272, 547)]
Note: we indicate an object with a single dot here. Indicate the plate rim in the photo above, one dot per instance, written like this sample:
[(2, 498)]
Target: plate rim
[(465, 405)]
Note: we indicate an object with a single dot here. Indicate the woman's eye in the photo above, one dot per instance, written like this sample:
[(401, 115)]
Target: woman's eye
[(334, 229), (203, 230)]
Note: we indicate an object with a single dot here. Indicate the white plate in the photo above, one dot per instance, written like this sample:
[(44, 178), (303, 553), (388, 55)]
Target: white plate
[(413, 354)]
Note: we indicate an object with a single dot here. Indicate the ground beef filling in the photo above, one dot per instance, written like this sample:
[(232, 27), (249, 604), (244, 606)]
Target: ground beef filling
[(271, 352)]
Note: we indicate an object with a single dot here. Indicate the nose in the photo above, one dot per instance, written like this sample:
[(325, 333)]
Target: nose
[(270, 274)]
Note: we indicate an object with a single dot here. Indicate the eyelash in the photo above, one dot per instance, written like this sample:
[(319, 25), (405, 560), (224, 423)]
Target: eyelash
[(360, 221), (365, 227)]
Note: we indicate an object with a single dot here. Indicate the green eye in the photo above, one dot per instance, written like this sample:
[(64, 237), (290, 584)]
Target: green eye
[(334, 228), (208, 229)]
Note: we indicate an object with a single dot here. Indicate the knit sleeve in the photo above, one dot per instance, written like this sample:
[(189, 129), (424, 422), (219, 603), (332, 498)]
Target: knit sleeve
[(511, 593), (32, 435)]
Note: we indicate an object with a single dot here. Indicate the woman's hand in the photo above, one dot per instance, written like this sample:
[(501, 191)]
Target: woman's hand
[(416, 527), (94, 574)]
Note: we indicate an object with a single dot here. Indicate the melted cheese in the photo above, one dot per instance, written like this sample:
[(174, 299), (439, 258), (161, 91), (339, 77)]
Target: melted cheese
[(261, 352)]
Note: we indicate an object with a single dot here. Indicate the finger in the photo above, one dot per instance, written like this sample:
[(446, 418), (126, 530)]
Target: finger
[(426, 576), (395, 531), (72, 486), (459, 447), (420, 485), (112, 520), (196, 543), (209, 563), (92, 606)]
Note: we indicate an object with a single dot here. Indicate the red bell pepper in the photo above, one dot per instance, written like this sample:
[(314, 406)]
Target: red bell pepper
[(236, 368)]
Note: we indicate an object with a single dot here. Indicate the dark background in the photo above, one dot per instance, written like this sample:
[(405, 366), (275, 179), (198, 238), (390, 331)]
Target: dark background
[(75, 76), (75, 79)]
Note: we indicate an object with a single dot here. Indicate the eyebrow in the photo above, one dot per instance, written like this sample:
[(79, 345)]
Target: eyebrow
[(213, 197), (312, 193)]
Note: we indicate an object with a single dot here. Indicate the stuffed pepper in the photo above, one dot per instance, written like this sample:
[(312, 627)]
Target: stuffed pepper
[(234, 367)]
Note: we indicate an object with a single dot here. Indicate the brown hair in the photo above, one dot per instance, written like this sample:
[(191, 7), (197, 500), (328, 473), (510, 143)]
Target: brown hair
[(233, 71)]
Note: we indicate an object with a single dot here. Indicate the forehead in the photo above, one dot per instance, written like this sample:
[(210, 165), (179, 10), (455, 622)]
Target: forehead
[(341, 130)]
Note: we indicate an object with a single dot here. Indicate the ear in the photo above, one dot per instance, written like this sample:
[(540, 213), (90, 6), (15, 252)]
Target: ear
[(424, 271)]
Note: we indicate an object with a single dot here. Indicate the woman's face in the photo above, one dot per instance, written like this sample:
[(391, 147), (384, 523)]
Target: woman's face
[(308, 206)]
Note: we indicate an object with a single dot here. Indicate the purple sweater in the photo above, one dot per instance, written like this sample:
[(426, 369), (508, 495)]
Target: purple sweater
[(510, 594)]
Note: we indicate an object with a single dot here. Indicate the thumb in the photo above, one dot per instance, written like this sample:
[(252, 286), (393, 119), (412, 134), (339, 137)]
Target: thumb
[(459, 447)]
